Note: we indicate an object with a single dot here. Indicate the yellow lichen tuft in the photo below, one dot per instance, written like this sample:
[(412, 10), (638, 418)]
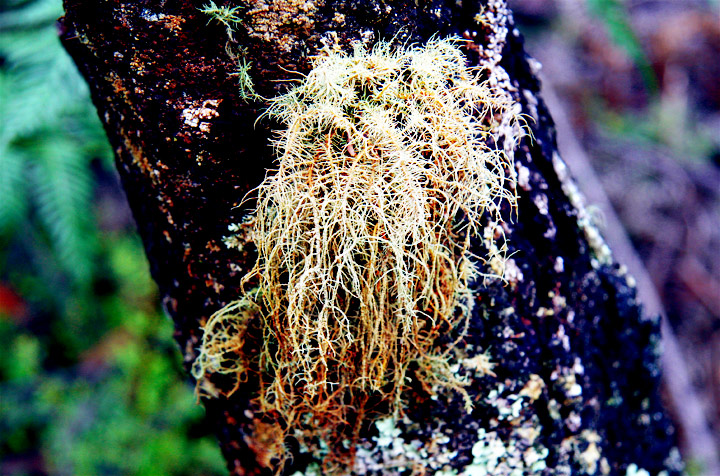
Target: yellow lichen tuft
[(221, 351), (386, 165)]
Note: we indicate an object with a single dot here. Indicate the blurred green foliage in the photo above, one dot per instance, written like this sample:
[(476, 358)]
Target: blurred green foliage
[(663, 123), (615, 18), (91, 381), (666, 120)]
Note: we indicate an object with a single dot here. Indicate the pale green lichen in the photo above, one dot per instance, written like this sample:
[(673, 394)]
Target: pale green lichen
[(497, 456), (392, 454), (515, 452)]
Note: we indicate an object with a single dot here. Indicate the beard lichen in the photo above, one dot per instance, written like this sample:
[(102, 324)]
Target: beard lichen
[(387, 164)]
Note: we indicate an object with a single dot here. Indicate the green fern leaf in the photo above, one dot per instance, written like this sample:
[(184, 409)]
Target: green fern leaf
[(615, 17), (29, 14), (63, 190), (48, 137), (12, 188)]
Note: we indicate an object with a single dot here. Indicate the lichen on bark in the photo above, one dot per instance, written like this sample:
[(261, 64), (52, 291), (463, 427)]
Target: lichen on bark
[(387, 165), (574, 361)]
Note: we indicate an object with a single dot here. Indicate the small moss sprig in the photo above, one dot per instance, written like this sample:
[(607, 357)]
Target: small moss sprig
[(229, 16), (224, 14), (245, 83)]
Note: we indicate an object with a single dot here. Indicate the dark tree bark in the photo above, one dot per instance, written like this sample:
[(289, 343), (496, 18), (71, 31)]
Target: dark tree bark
[(574, 388)]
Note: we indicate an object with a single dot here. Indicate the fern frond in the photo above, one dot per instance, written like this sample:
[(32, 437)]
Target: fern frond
[(38, 90), (62, 183), (47, 135), (37, 12), (12, 188)]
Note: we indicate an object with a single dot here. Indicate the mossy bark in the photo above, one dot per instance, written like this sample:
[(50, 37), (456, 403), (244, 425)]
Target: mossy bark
[(573, 385)]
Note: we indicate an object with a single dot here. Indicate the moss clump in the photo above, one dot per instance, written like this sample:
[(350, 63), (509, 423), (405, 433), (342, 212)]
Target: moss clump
[(387, 164)]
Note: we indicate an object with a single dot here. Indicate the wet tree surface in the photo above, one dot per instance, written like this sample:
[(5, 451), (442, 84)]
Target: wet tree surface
[(572, 383)]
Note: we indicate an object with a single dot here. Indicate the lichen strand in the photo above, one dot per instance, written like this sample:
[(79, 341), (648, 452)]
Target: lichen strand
[(387, 167)]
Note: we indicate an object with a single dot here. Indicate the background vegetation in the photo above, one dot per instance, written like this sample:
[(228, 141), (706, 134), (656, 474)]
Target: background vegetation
[(90, 378), (91, 381), (637, 82)]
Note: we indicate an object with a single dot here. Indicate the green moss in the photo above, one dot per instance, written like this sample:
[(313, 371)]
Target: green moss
[(224, 14), (244, 80)]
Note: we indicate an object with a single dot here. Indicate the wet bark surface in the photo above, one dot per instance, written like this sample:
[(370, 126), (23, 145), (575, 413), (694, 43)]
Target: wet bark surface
[(573, 386)]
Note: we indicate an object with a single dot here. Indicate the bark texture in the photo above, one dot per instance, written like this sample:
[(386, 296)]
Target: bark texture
[(574, 385)]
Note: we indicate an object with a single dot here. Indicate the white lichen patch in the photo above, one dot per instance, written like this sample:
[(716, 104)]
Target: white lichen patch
[(171, 22), (523, 176), (516, 450), (541, 202), (391, 454), (532, 103), (590, 456), (495, 16), (567, 379), (533, 388), (152, 16), (559, 302), (562, 336), (239, 236), (198, 116), (494, 240), (634, 470), (544, 312), (513, 274), (496, 456), (233, 241)]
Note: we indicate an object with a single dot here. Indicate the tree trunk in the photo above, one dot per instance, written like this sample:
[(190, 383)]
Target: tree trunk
[(572, 387)]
